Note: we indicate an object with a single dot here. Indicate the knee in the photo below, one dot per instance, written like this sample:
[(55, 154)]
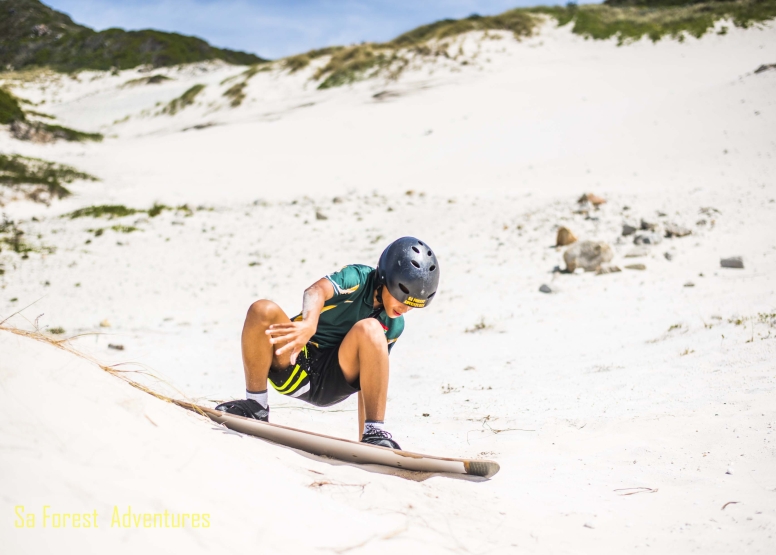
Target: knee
[(371, 330), (262, 311)]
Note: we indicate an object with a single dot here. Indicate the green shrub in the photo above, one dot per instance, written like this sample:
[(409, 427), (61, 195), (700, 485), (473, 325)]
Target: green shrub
[(35, 176), (10, 110), (109, 211)]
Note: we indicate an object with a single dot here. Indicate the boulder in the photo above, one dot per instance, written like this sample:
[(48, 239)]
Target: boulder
[(732, 262), (588, 255), (673, 230), (565, 237), (648, 238)]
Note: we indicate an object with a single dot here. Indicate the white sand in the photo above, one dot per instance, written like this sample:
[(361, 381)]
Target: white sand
[(577, 394)]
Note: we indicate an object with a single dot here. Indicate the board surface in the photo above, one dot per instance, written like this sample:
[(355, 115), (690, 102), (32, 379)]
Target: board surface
[(346, 450)]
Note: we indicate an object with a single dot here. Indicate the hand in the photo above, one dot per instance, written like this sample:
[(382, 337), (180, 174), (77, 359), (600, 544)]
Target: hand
[(295, 335)]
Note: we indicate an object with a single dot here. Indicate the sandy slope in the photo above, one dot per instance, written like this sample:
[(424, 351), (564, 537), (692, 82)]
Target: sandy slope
[(619, 381)]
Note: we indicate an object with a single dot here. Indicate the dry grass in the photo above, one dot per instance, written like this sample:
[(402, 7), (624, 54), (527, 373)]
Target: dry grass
[(122, 374)]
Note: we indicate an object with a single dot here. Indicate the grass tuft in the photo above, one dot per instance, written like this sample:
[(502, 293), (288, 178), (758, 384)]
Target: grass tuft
[(186, 99), (109, 211), (37, 180)]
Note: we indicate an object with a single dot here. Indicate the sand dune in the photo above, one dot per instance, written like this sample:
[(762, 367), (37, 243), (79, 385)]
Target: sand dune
[(626, 410)]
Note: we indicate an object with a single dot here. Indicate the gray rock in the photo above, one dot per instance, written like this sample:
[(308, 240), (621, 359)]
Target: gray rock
[(732, 262), (545, 288), (320, 215), (668, 256), (636, 267), (628, 229), (648, 226), (589, 255), (637, 252), (648, 238), (673, 230)]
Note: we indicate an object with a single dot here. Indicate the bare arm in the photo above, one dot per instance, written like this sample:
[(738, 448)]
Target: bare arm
[(295, 335)]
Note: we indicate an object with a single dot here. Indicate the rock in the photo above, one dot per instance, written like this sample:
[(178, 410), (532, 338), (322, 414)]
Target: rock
[(637, 252), (636, 267), (649, 238), (648, 226), (589, 255), (608, 270), (732, 262), (595, 200), (105, 323), (689, 284), (545, 288), (337, 200), (116, 347), (565, 237), (320, 215), (668, 256), (628, 229), (673, 230)]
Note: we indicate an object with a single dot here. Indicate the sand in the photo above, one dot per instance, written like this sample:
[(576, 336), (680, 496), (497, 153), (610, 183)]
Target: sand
[(626, 410)]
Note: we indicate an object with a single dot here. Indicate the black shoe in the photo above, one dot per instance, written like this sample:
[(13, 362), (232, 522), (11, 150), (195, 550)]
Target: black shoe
[(381, 438), (245, 407)]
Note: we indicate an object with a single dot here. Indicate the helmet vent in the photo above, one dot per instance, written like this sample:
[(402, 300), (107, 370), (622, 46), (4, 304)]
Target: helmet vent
[(431, 295), (404, 289), (421, 243), (415, 263), (432, 268), (429, 253), (416, 249)]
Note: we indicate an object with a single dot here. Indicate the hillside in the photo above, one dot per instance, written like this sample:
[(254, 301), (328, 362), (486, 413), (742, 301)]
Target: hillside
[(34, 35)]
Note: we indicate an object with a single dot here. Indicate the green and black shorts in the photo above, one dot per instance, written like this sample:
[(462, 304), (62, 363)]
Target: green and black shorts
[(316, 377)]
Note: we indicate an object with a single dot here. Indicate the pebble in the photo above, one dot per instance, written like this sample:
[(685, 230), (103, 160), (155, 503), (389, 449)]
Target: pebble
[(105, 323), (673, 230), (628, 229), (732, 262), (545, 288), (636, 267), (649, 238), (607, 270), (637, 252), (668, 256), (689, 284)]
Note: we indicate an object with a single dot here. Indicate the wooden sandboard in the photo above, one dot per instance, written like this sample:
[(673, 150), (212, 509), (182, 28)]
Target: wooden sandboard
[(346, 450)]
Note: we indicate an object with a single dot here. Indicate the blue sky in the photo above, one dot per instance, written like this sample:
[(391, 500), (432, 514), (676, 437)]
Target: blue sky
[(276, 28)]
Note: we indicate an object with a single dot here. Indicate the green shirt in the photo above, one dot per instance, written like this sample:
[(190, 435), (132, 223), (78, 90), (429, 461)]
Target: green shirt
[(354, 288)]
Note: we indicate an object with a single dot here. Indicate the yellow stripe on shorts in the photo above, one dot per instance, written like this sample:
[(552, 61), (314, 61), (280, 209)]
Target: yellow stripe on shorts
[(280, 388)]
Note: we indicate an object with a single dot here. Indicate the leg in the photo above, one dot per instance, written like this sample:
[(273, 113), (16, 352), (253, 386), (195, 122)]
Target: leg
[(257, 352), (363, 354)]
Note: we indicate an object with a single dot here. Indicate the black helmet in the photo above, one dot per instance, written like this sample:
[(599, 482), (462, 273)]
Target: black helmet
[(409, 269)]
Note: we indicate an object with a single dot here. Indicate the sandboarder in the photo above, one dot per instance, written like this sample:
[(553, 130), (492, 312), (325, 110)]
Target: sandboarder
[(340, 342)]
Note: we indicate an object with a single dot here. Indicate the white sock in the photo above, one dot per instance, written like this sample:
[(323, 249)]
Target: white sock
[(260, 397), (370, 426)]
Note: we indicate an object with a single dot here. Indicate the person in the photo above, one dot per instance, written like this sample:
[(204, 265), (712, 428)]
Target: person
[(339, 344)]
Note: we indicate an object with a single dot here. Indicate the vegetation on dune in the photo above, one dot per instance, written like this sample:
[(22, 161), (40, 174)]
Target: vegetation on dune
[(12, 237), (12, 114), (111, 211), (631, 20), (37, 180), (32, 34), (186, 99), (10, 110), (236, 94), (626, 20), (152, 80)]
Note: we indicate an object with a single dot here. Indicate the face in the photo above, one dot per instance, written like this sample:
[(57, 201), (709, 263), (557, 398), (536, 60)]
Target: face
[(393, 308)]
